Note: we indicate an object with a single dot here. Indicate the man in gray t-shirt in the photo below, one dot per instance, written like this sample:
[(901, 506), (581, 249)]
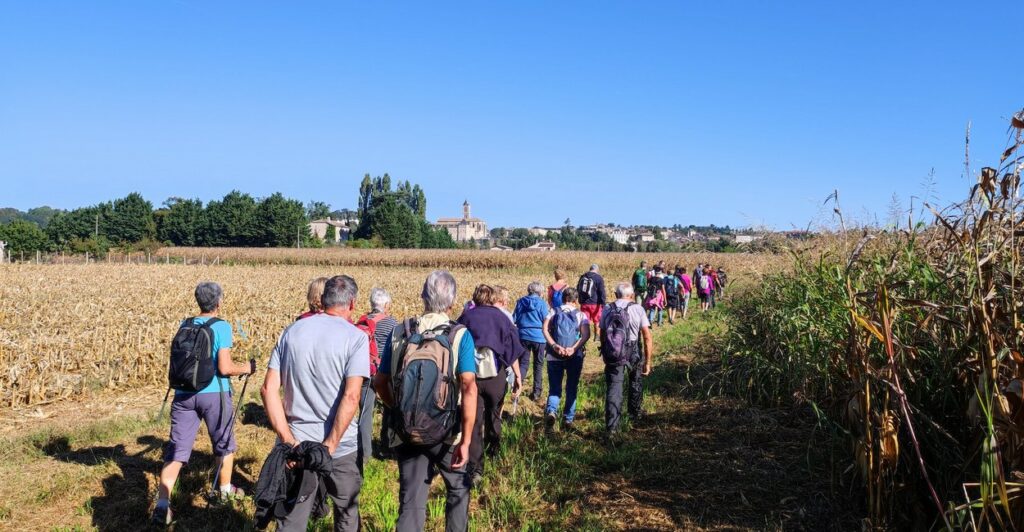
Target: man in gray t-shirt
[(638, 366), (320, 363)]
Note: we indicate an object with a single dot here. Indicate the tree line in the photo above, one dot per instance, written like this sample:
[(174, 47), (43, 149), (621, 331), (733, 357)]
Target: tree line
[(386, 218)]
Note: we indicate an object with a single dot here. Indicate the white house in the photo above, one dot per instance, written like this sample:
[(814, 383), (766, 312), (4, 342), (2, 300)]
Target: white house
[(746, 239), (3, 246), (342, 228), (619, 235)]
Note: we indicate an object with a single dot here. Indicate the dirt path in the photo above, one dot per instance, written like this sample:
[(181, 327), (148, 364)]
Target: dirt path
[(693, 463)]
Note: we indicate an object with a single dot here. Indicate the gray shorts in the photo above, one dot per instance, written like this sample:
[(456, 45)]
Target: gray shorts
[(187, 411)]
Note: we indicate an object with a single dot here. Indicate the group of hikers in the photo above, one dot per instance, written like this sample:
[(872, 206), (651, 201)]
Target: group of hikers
[(660, 289), (441, 384)]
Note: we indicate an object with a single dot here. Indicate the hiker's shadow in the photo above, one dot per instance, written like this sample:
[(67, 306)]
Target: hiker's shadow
[(253, 413), (127, 494)]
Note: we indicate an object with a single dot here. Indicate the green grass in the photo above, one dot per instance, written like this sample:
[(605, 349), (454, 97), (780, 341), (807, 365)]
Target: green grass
[(538, 481)]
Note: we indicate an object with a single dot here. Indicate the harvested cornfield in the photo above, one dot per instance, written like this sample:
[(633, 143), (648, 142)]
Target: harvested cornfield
[(73, 328)]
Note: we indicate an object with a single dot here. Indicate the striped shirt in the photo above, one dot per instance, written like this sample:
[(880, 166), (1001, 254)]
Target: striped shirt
[(384, 329)]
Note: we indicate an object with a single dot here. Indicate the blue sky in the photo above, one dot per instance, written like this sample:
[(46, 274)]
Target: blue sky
[(634, 112)]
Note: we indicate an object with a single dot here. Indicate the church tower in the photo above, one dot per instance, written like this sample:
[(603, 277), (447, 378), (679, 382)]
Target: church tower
[(465, 210)]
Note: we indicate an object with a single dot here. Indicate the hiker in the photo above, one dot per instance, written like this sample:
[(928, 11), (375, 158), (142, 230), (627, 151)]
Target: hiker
[(210, 404), (722, 280), (686, 287), (566, 331), (656, 296), (715, 283), (320, 364), (704, 289), (313, 294), (531, 311), (497, 349), (659, 267), (640, 276), (503, 298), (590, 291), (381, 324), (672, 295), (433, 441), (555, 289), (623, 324)]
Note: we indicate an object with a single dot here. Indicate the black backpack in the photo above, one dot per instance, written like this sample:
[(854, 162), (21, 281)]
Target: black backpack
[(192, 368), (586, 286), (425, 382)]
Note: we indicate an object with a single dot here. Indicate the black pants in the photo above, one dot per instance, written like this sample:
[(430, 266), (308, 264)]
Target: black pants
[(417, 467), (614, 378), (490, 399), (535, 351)]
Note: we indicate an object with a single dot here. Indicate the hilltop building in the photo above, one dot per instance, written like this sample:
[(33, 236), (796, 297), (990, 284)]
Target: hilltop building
[(466, 228)]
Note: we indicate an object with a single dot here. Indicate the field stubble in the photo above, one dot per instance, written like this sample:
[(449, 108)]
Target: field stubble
[(72, 329)]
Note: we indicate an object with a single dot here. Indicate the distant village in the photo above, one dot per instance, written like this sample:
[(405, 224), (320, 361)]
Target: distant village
[(472, 232)]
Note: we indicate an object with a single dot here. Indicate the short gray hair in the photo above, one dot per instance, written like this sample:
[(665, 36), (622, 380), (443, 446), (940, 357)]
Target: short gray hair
[(208, 295), (535, 288), (339, 291), (379, 298), (594, 267), (623, 290), (439, 291)]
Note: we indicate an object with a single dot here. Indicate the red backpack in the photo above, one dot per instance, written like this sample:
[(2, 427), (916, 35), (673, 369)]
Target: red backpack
[(369, 326)]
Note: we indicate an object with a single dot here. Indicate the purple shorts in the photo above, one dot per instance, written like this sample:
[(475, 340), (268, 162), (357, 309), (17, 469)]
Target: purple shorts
[(187, 411)]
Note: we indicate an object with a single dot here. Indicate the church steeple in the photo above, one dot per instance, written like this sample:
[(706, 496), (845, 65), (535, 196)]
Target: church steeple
[(465, 210)]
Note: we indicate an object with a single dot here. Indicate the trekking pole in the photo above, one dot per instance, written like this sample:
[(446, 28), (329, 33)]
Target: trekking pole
[(231, 421), (160, 416)]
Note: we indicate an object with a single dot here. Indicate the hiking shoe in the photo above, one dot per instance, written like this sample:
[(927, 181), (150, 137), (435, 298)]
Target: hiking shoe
[(161, 516), (234, 493), (551, 422), (535, 396), (475, 478), (569, 426)]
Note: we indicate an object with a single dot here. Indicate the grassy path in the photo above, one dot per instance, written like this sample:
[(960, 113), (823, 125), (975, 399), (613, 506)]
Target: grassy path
[(693, 463)]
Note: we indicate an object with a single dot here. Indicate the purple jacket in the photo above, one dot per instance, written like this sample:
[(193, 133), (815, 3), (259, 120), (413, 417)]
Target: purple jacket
[(491, 328)]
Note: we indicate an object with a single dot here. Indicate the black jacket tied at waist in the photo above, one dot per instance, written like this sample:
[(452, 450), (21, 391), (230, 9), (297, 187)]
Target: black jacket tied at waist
[(279, 488)]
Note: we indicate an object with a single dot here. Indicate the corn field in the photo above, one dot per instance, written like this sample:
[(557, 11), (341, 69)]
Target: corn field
[(74, 328), (908, 343)]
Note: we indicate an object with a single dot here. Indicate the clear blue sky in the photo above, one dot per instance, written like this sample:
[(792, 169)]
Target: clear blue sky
[(635, 112)]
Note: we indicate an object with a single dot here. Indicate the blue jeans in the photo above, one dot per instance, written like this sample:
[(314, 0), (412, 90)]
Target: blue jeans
[(654, 315), (572, 368)]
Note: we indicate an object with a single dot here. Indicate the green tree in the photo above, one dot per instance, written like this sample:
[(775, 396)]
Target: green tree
[(232, 222), (80, 224), (130, 220), (317, 210), (24, 237), (181, 222), (281, 220), (41, 215), (393, 223)]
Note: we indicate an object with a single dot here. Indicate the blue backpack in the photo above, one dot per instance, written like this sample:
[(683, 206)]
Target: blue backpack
[(556, 298), (565, 327)]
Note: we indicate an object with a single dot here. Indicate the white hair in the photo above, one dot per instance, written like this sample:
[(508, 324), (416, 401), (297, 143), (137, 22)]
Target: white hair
[(439, 291), (535, 288), (379, 299), (623, 290)]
